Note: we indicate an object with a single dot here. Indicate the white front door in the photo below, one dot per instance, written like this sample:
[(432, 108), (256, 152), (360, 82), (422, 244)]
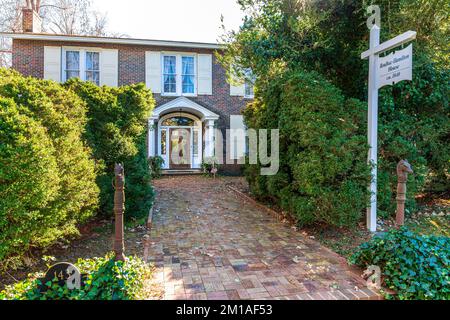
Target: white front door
[(180, 145)]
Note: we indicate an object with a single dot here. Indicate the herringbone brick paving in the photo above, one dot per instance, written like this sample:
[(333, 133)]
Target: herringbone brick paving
[(208, 243)]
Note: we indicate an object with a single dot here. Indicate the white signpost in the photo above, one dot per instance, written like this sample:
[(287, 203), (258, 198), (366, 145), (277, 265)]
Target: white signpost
[(383, 71)]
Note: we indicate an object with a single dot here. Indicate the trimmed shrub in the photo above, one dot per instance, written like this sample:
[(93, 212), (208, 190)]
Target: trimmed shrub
[(116, 127), (29, 183), (323, 174), (106, 279), (61, 115), (415, 266)]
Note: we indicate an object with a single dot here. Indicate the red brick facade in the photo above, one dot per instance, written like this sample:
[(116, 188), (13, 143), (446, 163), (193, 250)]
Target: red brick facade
[(28, 59)]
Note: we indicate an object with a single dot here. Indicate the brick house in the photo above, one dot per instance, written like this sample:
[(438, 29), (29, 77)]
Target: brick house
[(193, 97)]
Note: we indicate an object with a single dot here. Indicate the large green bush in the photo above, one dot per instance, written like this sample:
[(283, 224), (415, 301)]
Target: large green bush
[(328, 37), (414, 266), (323, 173), (105, 279), (29, 182), (116, 127), (61, 116)]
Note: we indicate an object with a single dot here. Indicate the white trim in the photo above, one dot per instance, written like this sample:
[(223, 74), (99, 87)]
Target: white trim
[(390, 44), (85, 39), (192, 110), (82, 61), (184, 104), (195, 160), (178, 73)]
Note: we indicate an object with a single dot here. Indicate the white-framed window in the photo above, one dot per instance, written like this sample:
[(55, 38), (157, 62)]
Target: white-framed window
[(187, 75), (179, 74), (249, 84), (170, 74), (92, 72), (72, 65), (81, 63)]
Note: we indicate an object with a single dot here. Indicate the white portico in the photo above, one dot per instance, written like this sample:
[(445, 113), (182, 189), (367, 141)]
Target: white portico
[(182, 133)]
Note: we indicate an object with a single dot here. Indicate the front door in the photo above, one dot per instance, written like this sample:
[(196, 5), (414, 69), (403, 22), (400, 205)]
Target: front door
[(180, 148)]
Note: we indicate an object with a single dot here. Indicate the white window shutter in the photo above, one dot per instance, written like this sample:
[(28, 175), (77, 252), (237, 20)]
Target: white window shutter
[(153, 71), (52, 63), (237, 88), (204, 74), (109, 67)]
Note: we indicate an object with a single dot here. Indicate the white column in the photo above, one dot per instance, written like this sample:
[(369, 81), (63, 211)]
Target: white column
[(373, 128), (151, 137), (209, 138)]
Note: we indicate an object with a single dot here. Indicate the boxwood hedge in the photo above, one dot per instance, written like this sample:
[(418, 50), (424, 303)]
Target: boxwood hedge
[(59, 146), (50, 122), (323, 174)]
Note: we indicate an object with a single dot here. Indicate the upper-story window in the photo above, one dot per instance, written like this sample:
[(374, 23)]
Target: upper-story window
[(249, 84), (83, 64), (93, 67), (179, 77), (72, 64), (170, 74), (188, 75)]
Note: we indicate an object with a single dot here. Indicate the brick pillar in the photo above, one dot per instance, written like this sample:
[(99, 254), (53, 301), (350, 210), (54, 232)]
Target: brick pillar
[(31, 21)]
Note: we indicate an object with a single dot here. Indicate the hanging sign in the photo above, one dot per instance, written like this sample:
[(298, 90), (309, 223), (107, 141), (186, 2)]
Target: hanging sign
[(395, 67)]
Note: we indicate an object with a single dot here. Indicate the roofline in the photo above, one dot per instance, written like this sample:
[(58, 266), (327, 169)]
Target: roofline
[(109, 40)]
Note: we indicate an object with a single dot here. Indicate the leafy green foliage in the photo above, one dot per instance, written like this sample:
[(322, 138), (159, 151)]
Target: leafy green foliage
[(106, 279), (29, 181), (323, 174), (156, 165), (415, 266), (327, 37), (43, 126), (115, 131)]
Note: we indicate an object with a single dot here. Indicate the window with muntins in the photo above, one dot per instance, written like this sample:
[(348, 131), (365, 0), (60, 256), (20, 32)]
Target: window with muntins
[(170, 74), (93, 67), (72, 64), (178, 121), (188, 74), (82, 64), (179, 74)]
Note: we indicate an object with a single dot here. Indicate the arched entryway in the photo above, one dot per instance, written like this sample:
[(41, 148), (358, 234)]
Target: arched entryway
[(182, 133)]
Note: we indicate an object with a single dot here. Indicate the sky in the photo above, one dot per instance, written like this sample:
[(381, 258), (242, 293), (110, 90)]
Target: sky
[(179, 20)]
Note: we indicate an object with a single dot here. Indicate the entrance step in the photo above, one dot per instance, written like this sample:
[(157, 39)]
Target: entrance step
[(182, 172)]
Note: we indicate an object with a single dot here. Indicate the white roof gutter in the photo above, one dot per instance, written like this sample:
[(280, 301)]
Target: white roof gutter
[(128, 41)]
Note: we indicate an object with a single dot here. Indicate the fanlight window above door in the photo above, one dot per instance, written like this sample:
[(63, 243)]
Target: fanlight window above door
[(178, 121)]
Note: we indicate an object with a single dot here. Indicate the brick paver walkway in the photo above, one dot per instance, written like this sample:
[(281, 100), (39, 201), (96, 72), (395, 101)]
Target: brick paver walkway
[(209, 243)]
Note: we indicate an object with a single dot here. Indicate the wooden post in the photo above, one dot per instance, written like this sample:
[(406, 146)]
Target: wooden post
[(403, 168), (119, 208)]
